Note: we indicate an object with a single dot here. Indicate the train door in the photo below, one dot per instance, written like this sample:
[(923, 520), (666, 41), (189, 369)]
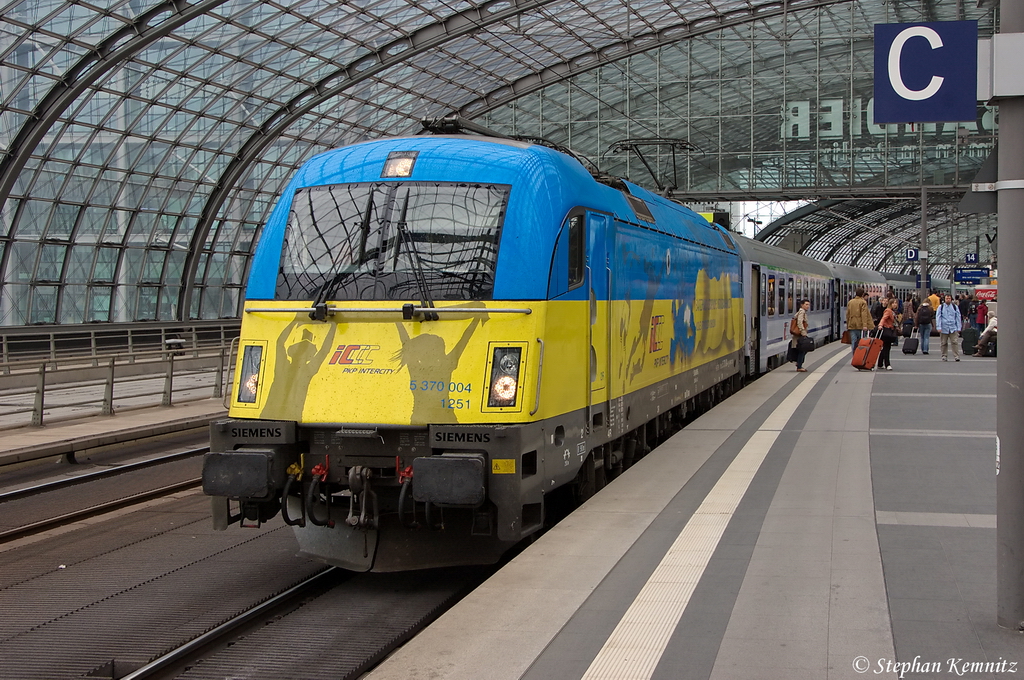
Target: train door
[(599, 330), (754, 327), (838, 308)]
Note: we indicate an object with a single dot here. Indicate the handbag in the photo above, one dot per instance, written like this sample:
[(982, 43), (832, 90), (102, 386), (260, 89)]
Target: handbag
[(794, 327), (846, 337), (888, 334), (804, 344)]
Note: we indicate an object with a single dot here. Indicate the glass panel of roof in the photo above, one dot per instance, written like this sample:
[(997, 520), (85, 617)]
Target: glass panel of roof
[(196, 97)]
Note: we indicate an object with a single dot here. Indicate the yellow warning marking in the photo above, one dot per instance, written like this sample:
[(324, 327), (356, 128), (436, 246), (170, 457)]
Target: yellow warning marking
[(503, 466)]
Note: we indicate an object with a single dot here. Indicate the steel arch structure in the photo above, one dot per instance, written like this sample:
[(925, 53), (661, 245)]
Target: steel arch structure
[(143, 143)]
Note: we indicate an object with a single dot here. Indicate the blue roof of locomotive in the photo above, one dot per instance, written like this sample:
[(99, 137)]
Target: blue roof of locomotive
[(545, 185)]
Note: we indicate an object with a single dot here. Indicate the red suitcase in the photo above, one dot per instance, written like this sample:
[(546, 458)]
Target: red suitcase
[(866, 355)]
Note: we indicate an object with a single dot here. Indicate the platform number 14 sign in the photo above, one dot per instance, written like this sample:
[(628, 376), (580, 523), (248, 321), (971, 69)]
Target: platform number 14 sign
[(971, 258)]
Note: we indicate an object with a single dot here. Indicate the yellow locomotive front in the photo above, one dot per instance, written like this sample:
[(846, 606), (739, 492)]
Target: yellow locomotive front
[(384, 401)]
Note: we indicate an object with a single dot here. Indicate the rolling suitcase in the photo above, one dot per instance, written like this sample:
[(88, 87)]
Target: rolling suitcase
[(911, 344), (866, 355), (970, 339), (908, 328)]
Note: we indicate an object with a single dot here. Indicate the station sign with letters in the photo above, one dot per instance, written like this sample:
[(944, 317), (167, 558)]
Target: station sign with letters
[(926, 72), (913, 254)]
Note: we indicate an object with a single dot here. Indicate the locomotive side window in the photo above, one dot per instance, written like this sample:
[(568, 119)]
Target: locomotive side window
[(392, 241), (577, 251)]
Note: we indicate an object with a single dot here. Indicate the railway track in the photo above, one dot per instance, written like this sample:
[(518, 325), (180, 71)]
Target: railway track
[(345, 623), (33, 503), (157, 593)]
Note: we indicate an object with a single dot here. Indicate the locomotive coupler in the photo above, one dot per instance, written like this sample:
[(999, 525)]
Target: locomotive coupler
[(359, 488)]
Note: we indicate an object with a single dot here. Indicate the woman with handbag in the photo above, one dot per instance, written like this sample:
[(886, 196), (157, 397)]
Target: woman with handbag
[(888, 328), (798, 331)]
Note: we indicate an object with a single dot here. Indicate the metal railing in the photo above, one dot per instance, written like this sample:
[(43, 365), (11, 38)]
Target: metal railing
[(28, 345), (76, 386)]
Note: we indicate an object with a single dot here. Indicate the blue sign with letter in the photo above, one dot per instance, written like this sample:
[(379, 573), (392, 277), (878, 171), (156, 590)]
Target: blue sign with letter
[(913, 254), (928, 283), (927, 72)]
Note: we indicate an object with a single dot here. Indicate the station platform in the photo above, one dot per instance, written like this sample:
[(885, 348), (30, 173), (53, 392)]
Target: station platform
[(69, 437), (828, 524)]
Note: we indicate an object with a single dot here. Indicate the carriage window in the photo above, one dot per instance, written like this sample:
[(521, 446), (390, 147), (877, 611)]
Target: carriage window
[(764, 294), (577, 253), (789, 297), (771, 295)]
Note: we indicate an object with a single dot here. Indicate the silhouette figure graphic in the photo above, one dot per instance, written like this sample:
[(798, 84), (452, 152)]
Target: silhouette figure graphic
[(429, 363), (294, 367)]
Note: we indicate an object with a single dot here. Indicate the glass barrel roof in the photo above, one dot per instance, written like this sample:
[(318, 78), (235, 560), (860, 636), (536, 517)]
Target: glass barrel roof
[(143, 143)]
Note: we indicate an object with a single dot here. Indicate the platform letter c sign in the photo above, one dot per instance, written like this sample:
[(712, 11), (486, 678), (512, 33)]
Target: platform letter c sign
[(896, 51)]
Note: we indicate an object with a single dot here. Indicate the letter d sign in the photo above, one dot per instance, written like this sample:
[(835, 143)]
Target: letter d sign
[(926, 73)]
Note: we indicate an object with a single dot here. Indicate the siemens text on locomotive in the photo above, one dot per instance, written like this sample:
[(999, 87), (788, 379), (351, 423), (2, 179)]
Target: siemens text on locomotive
[(443, 334)]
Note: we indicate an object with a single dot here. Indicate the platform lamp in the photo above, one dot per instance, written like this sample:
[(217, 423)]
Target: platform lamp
[(756, 223)]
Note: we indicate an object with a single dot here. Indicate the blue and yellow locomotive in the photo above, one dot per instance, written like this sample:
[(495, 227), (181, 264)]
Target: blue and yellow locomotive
[(442, 334)]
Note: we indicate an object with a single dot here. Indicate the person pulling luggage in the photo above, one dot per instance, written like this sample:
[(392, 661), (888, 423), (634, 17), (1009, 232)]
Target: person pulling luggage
[(858, 318), (798, 329), (887, 325)]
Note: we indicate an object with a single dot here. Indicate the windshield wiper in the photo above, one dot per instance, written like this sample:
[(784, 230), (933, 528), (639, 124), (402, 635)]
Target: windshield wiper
[(417, 266), (330, 287)]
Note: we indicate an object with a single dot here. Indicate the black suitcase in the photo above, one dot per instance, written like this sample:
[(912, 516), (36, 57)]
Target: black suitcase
[(990, 348), (908, 328), (970, 339), (911, 344)]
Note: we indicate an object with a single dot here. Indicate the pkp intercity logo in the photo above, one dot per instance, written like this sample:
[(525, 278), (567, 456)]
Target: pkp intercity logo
[(349, 355)]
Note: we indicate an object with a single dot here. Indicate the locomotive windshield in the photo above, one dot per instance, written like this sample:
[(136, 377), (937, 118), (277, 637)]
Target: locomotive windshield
[(392, 241)]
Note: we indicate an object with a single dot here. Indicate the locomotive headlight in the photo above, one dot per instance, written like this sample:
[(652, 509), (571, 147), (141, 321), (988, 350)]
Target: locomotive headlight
[(249, 378), (504, 377)]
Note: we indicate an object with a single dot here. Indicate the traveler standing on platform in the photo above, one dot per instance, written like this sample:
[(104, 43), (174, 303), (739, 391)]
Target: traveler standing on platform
[(858, 319), (934, 301), (949, 322), (980, 315), (878, 308), (888, 327), (964, 303), (923, 322), (798, 329), (907, 322)]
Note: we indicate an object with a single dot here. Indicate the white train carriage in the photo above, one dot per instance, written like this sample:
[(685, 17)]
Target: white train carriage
[(778, 279)]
